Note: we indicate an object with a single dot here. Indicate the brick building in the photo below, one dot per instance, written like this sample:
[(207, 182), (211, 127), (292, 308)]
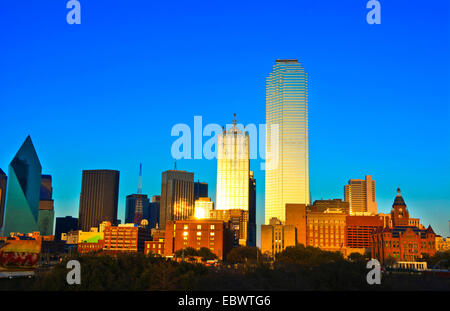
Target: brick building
[(359, 230), (196, 233), (127, 237), (402, 242)]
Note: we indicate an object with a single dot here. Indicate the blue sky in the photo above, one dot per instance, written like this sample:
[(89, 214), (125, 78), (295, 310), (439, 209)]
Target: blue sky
[(106, 93)]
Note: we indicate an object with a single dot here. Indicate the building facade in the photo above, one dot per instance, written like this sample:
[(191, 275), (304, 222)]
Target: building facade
[(276, 236), (197, 233), (154, 211), (46, 215), (98, 198), (359, 231), (327, 231), (3, 182), (251, 239), (334, 204), (287, 166), (203, 208), (200, 190), (361, 196), (402, 242), (126, 238), (233, 169), (23, 191), (177, 196)]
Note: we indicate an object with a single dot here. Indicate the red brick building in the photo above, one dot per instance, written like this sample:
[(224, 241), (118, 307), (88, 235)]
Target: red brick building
[(84, 248), (155, 247), (402, 242), (127, 237), (196, 233), (360, 228)]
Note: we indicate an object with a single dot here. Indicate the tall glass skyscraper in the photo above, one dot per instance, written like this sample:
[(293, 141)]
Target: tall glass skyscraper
[(287, 178), (233, 169), (24, 185)]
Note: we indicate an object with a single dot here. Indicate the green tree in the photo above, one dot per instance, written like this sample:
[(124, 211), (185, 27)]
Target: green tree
[(309, 255), (206, 254)]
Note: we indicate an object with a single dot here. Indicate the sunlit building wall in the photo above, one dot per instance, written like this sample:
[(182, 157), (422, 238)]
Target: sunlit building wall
[(177, 196), (361, 196), (233, 170), (203, 208), (287, 173)]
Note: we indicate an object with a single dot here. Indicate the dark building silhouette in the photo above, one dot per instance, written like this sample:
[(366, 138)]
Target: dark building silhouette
[(154, 211), (46, 213), (130, 207), (177, 196), (334, 204), (3, 181), (64, 225), (98, 199), (200, 190), (251, 240)]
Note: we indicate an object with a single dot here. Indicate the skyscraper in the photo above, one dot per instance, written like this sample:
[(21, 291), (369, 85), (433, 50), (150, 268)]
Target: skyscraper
[(361, 196), (251, 240), (177, 196), (46, 213), (98, 198), (3, 181), (233, 169), (154, 208), (200, 190), (287, 176), (130, 207), (24, 183)]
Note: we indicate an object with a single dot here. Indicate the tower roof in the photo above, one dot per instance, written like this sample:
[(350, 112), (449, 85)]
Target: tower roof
[(399, 199)]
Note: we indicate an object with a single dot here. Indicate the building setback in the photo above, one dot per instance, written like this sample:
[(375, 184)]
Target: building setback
[(98, 198), (46, 215)]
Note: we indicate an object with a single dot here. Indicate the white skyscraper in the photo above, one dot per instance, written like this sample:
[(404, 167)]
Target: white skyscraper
[(287, 108)]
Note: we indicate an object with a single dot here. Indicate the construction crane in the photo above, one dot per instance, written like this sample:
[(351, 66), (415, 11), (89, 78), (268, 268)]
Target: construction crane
[(139, 210)]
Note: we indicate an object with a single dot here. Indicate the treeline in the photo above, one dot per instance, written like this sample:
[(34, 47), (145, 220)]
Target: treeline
[(296, 268)]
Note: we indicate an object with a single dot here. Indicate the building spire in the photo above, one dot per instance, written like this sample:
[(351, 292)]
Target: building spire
[(399, 193), (234, 120)]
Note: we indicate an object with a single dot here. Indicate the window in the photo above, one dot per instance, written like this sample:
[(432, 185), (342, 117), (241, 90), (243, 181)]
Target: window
[(185, 233), (212, 227), (199, 233), (185, 227), (199, 227)]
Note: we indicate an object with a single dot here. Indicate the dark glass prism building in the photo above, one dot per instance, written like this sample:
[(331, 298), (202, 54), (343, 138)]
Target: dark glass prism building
[(23, 192), (3, 181)]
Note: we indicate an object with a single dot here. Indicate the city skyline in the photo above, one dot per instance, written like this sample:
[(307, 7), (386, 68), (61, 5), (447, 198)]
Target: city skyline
[(361, 78)]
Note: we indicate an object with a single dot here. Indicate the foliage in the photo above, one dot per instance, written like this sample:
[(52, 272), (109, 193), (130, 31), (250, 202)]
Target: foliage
[(204, 252), (311, 256), (244, 254)]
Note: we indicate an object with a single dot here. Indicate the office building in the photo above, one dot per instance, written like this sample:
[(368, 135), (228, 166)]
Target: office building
[(251, 240), (276, 236), (98, 198), (130, 207), (126, 238), (65, 225), (197, 233), (360, 194), (23, 191), (200, 190), (359, 231), (154, 212), (155, 247), (286, 171), (46, 215), (203, 208), (238, 221), (233, 169), (177, 196), (3, 182), (327, 230), (331, 205)]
